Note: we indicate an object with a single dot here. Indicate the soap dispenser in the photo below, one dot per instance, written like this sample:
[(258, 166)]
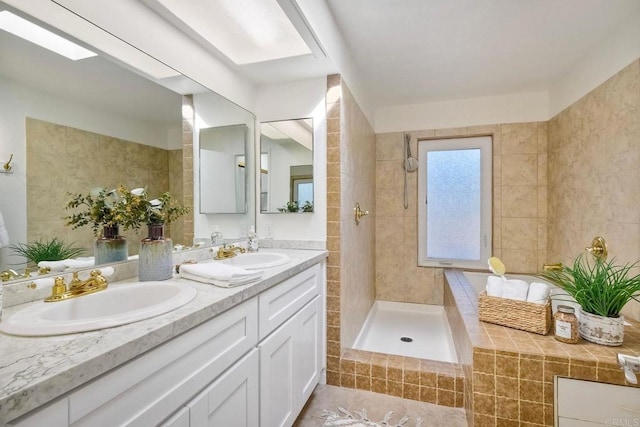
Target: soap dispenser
[(216, 236), (252, 240)]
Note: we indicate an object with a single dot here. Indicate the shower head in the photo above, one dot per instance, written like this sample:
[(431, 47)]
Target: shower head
[(410, 163)]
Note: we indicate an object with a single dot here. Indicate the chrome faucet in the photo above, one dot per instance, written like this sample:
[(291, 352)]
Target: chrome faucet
[(60, 292)]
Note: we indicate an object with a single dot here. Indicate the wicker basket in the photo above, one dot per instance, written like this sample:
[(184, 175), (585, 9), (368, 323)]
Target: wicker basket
[(526, 316)]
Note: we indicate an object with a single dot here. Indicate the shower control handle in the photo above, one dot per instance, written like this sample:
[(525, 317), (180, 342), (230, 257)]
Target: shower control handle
[(359, 213)]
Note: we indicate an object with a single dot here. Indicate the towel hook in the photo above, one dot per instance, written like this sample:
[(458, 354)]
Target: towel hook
[(7, 166)]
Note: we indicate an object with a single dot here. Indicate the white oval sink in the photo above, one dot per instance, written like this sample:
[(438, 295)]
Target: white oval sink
[(258, 260), (115, 306)]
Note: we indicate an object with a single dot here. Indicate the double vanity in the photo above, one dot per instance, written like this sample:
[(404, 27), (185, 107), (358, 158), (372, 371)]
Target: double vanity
[(243, 356)]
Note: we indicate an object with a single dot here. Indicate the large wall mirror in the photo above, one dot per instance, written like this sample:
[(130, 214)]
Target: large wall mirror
[(286, 166), (95, 122), (223, 171)]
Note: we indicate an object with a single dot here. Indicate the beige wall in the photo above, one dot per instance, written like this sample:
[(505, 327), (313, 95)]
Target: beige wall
[(351, 262), (594, 174), (519, 208), (62, 160)]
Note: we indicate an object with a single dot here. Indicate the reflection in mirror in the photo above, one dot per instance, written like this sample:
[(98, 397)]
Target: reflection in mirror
[(223, 172), (286, 166), (76, 125)]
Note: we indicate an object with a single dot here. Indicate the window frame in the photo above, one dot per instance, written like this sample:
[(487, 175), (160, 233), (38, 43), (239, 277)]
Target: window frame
[(484, 143)]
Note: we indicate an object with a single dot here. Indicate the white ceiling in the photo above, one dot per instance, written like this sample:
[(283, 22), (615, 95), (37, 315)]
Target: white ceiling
[(415, 51)]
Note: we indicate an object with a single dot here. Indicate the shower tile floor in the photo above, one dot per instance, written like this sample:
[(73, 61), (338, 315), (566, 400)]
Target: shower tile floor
[(326, 397), (413, 330)]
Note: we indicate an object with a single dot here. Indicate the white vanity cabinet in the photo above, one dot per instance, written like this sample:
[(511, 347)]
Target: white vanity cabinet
[(232, 400), (255, 364), (291, 353), (582, 403)]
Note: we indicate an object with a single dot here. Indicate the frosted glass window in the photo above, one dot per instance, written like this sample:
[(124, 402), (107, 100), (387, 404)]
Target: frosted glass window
[(453, 204), (454, 211)]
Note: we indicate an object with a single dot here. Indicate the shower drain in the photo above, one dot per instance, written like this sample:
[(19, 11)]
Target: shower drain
[(406, 339)]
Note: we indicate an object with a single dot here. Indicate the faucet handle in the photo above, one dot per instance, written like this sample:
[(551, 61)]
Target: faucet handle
[(75, 281), (552, 267), (58, 290)]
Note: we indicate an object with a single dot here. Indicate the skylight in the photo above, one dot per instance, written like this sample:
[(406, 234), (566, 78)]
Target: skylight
[(245, 31), (35, 34)]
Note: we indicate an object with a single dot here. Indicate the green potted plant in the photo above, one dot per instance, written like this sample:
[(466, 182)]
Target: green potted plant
[(602, 289), (105, 211), (47, 250)]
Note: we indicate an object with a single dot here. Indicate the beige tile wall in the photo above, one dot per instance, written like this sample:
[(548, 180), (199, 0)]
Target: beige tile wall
[(594, 179), (188, 120), (519, 208), (62, 159), (350, 179)]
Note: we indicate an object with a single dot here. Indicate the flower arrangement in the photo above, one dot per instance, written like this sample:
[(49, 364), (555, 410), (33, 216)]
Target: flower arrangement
[(159, 211), (121, 207)]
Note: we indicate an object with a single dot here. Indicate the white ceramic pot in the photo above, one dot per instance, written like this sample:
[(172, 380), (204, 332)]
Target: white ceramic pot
[(601, 330)]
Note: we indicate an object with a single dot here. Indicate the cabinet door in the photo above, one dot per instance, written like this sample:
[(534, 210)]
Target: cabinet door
[(290, 367), (231, 400), (179, 419), (307, 352), (277, 406)]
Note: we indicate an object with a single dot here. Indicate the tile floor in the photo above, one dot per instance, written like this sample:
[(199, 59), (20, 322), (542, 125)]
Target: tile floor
[(377, 405)]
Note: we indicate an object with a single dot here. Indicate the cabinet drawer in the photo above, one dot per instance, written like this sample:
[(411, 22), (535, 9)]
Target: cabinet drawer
[(282, 301), (148, 389), (597, 402)]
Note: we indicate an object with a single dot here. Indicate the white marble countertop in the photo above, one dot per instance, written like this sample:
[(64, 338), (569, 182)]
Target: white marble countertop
[(36, 370)]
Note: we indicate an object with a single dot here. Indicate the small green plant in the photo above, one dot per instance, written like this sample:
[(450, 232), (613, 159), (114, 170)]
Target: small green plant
[(47, 250), (600, 287), (290, 207), (307, 207)]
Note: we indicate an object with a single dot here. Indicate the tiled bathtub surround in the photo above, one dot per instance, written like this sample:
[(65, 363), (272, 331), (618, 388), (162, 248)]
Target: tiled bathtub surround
[(510, 374), (62, 159)]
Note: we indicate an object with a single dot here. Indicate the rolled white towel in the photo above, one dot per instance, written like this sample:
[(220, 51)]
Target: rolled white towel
[(538, 293), (53, 265), (495, 286), (220, 272), (515, 289), (80, 262), (73, 263)]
